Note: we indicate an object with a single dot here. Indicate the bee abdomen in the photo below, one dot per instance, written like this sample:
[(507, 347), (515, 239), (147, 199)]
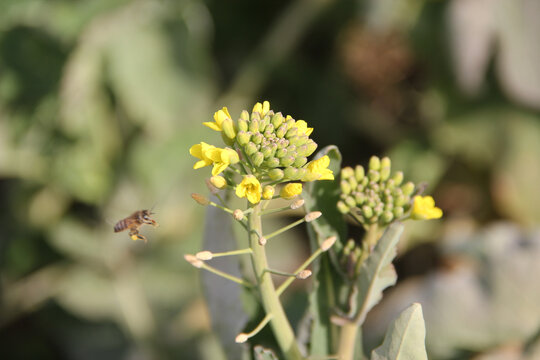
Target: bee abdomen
[(120, 226)]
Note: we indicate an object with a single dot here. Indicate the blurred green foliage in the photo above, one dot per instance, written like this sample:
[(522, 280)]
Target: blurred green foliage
[(100, 100)]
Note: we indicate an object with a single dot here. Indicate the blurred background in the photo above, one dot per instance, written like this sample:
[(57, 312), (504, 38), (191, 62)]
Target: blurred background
[(100, 101)]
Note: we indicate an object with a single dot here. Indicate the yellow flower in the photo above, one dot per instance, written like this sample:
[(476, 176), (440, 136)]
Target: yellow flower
[(219, 117), (424, 208), (250, 188), (318, 170), (268, 192), (221, 158), (302, 128), (291, 190), (201, 151), (262, 108)]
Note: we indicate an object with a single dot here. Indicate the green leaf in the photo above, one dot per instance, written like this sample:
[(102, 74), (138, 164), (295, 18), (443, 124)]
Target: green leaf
[(223, 297), (405, 338), (323, 196), (264, 354), (378, 272)]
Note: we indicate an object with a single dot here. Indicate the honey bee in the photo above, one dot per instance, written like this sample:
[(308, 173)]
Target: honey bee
[(134, 222)]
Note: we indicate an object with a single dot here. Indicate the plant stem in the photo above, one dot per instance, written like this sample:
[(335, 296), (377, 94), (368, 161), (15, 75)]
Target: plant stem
[(347, 341), (280, 324)]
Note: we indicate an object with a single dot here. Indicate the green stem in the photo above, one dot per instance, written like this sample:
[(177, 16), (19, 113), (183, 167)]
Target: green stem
[(280, 324), (347, 341)]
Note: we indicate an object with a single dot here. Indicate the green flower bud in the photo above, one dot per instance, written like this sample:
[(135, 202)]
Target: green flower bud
[(398, 212), (272, 162), (390, 184), (264, 123), (257, 138), (277, 120), (385, 162), (342, 207), (359, 198), (281, 130), (254, 126), (257, 158), (374, 163), (350, 201), (387, 217), (291, 148), (408, 188), (282, 143), (242, 138), (281, 152), (300, 174), (250, 148), (367, 212), (244, 115), (374, 175), (302, 150), (347, 172), (299, 140), (400, 200), (228, 128), (352, 182), (359, 172), (398, 178), (385, 173), (300, 161), (290, 173), (287, 160), (267, 151), (276, 174), (290, 123), (311, 147), (255, 116), (269, 130), (365, 181), (345, 187), (291, 132), (243, 125)]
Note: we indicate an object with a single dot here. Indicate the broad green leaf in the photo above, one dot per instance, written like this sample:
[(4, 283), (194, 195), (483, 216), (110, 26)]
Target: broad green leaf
[(323, 196), (405, 338), (223, 297), (377, 272), (264, 354)]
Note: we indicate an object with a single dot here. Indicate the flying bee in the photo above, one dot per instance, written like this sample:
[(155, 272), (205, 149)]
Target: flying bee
[(134, 222)]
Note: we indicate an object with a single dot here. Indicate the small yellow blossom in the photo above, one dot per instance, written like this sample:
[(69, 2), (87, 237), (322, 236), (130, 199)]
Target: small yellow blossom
[(262, 108), (291, 190), (249, 188), (424, 208), (303, 128), (218, 181), (318, 170), (202, 151), (221, 158), (219, 117), (268, 192)]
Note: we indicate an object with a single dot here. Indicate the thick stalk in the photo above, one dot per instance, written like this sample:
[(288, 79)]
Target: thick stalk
[(347, 341), (280, 324)]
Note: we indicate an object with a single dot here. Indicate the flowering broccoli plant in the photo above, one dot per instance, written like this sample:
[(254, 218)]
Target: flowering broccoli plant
[(266, 157)]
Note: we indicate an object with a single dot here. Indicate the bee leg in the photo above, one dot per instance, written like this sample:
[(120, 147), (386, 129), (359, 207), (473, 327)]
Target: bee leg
[(151, 222), (135, 235)]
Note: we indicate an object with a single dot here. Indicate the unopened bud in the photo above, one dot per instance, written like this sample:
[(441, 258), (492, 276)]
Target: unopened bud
[(291, 132), (342, 207), (238, 215), (398, 178), (287, 160), (374, 163), (228, 128), (290, 172), (387, 217), (244, 115), (218, 181), (257, 138), (349, 200), (385, 162), (281, 130), (367, 211), (311, 147), (359, 198), (304, 274), (374, 175), (408, 188), (300, 161), (398, 212), (347, 172), (257, 158), (213, 190), (243, 138), (254, 125), (192, 259), (241, 338), (312, 216), (385, 173), (328, 243), (277, 120), (272, 162), (345, 187), (359, 172), (204, 255), (276, 174), (250, 148), (268, 192), (297, 204), (201, 200)]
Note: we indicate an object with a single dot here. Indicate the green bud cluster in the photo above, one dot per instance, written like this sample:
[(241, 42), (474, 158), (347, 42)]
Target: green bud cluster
[(274, 145), (375, 195)]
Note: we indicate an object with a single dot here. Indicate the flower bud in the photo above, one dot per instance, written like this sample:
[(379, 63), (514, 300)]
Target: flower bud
[(291, 132), (311, 147), (201, 200), (304, 274), (291, 190), (297, 204), (281, 130), (347, 172), (242, 125), (374, 163), (400, 200), (244, 115), (300, 161), (257, 138), (254, 125), (277, 120), (228, 128), (301, 174), (192, 259), (387, 217), (374, 175), (218, 181), (342, 207), (349, 200), (385, 173), (242, 138), (276, 174), (398, 178), (398, 212), (204, 255), (287, 160), (268, 192), (257, 158), (314, 215), (367, 211), (250, 148), (385, 162), (302, 150), (345, 187), (272, 162), (238, 215), (281, 152), (408, 188), (328, 243), (359, 173), (266, 151), (359, 198)]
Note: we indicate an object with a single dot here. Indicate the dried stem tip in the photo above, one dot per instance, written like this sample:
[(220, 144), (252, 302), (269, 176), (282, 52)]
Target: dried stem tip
[(312, 216), (328, 243), (304, 274), (241, 338), (200, 199), (192, 259), (204, 255)]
